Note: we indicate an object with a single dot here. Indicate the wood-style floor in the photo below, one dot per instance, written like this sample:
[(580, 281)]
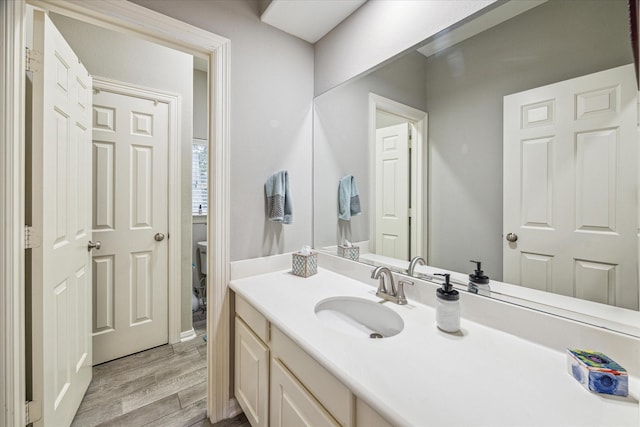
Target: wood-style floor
[(164, 386)]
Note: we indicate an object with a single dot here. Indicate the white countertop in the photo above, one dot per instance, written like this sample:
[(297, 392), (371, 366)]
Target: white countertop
[(424, 376)]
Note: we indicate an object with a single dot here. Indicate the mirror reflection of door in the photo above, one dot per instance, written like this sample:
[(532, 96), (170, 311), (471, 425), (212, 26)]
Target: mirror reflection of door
[(392, 202), (570, 172), (394, 228)]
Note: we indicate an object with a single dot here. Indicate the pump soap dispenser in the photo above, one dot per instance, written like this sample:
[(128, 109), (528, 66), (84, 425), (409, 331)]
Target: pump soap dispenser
[(447, 306), (478, 281)]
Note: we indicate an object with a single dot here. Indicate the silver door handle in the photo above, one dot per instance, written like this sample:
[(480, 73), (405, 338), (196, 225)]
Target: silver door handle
[(159, 237), (94, 245), (512, 237)]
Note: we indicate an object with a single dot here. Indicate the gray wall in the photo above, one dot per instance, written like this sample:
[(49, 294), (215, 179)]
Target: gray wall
[(117, 56), (271, 120), (200, 104), (465, 87), (341, 142)]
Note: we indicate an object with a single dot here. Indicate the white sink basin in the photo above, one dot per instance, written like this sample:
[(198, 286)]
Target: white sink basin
[(359, 317)]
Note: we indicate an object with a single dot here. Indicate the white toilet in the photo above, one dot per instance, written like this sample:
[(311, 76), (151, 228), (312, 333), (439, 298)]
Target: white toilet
[(202, 247), (202, 288)]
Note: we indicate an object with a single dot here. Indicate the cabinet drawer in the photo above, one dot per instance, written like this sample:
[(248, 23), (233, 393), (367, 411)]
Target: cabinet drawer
[(330, 392), (291, 404), (256, 321)]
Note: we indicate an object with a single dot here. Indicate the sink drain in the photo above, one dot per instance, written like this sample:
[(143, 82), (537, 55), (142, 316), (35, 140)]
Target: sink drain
[(375, 335)]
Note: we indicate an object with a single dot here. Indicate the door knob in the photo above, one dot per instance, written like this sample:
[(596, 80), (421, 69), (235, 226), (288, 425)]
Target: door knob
[(94, 245), (512, 237), (159, 237)]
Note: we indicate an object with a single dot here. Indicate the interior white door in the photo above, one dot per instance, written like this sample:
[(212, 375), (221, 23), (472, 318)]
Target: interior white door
[(130, 218), (392, 177), (61, 211), (570, 188)]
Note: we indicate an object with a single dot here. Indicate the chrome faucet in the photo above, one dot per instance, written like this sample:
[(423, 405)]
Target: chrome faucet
[(412, 265), (393, 294)]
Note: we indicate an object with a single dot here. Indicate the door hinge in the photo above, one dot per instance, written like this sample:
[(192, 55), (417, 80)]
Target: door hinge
[(410, 212), (31, 238), (32, 59), (33, 411)]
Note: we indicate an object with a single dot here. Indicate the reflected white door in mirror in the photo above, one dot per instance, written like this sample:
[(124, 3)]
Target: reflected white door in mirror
[(392, 184), (397, 144), (570, 182)]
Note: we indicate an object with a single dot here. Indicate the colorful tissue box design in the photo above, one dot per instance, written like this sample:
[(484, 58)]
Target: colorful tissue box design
[(304, 265), (352, 253), (597, 372)]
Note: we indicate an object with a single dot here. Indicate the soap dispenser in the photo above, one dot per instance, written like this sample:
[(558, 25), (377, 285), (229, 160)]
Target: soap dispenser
[(447, 306), (478, 281)]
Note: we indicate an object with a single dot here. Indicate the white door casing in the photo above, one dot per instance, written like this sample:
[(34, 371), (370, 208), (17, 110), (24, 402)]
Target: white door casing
[(570, 188), (61, 214), (139, 21), (392, 172), (130, 189)]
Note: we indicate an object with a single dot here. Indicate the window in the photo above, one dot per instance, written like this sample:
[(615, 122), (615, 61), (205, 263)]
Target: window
[(199, 157)]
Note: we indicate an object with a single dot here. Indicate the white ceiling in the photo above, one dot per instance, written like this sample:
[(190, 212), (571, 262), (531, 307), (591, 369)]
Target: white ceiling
[(309, 20)]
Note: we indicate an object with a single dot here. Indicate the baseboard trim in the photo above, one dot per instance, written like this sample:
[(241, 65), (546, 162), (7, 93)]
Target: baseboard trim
[(188, 335)]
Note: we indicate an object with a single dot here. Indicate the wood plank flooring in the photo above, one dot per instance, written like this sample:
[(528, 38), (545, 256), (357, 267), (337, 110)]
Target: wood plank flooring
[(164, 386)]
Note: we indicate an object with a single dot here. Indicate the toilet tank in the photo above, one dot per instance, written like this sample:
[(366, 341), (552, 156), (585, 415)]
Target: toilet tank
[(202, 248)]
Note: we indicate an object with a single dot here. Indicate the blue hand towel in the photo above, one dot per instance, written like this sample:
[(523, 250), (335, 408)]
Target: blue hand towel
[(279, 205), (348, 198)]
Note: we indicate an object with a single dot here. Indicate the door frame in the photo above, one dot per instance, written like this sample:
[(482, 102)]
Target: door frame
[(418, 196), (132, 19), (173, 199)]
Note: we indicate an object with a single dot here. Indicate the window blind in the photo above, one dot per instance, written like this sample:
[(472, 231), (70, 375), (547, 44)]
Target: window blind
[(199, 158)]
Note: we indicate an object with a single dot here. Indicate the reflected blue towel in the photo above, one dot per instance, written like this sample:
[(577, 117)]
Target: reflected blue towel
[(279, 205), (348, 198)]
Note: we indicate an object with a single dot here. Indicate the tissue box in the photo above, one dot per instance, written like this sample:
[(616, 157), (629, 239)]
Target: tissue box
[(352, 253), (304, 265), (597, 372)]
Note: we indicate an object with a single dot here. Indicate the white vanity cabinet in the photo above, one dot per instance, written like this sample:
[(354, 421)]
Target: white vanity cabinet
[(278, 384)]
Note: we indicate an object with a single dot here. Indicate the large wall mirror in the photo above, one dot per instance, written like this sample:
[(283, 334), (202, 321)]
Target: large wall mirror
[(527, 130)]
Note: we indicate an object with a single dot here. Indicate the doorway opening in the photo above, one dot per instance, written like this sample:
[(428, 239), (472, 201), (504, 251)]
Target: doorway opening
[(131, 19), (125, 161)]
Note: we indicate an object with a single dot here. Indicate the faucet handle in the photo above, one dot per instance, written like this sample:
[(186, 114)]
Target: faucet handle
[(402, 299)]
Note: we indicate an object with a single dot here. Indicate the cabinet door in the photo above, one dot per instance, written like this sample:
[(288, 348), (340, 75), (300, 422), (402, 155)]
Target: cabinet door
[(251, 375), (291, 404), (367, 417)]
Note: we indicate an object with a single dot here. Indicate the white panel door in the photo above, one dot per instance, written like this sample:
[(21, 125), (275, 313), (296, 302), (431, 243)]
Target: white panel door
[(130, 143), (570, 188), (61, 211), (251, 375), (392, 191)]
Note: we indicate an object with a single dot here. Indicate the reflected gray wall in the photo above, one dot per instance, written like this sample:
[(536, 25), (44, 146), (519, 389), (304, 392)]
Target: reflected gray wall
[(341, 144), (463, 89), (556, 41), (378, 31)]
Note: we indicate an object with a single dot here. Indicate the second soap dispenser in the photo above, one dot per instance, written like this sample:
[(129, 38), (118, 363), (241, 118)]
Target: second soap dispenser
[(447, 306), (478, 281)]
